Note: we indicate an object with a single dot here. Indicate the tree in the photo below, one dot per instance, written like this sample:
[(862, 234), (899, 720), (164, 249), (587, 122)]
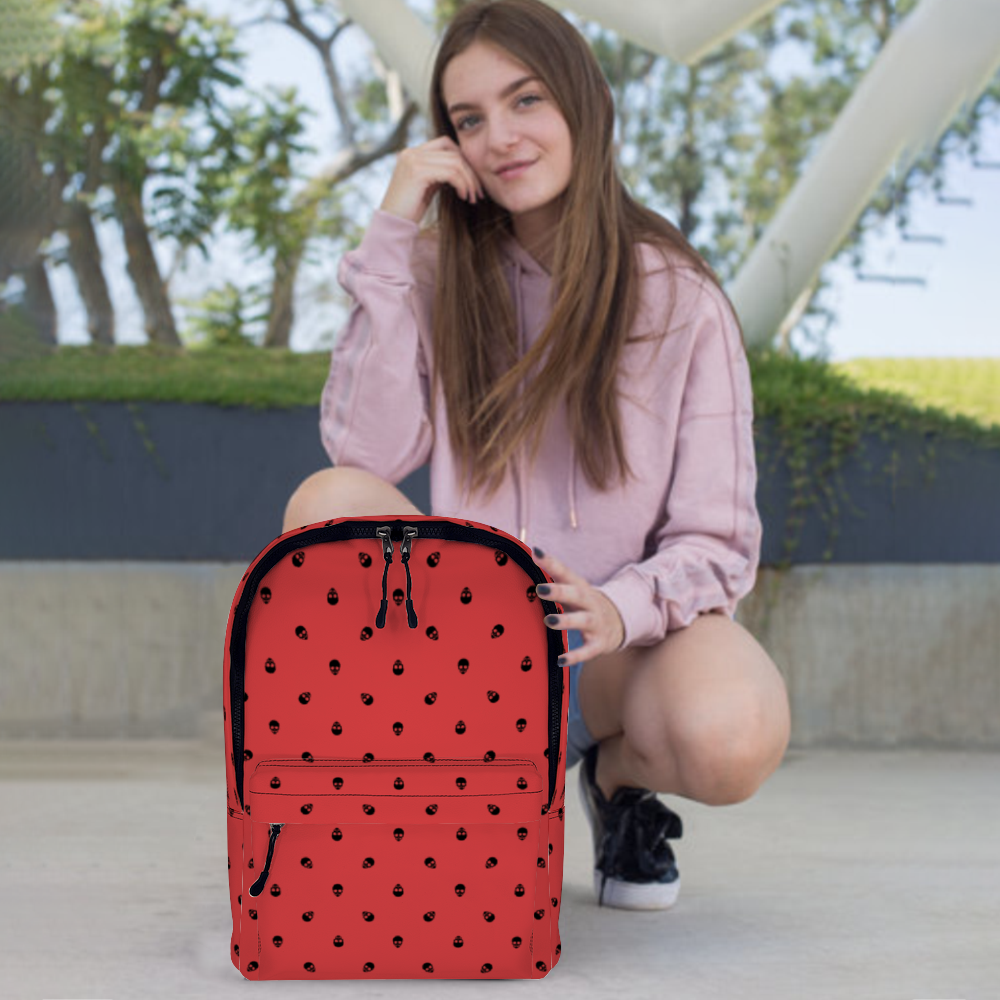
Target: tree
[(126, 121), (27, 196), (313, 211), (141, 116), (718, 145)]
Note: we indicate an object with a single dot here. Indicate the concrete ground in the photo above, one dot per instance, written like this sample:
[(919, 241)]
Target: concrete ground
[(849, 874)]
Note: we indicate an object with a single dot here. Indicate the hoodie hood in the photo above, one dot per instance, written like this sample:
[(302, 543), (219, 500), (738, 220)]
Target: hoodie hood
[(524, 272)]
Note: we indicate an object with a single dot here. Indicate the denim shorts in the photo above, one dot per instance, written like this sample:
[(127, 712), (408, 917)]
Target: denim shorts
[(578, 738)]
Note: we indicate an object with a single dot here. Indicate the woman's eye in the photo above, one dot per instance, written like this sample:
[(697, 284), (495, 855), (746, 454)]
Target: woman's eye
[(524, 97)]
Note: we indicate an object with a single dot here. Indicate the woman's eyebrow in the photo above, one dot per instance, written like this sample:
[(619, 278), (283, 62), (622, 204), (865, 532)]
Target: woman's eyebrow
[(509, 89)]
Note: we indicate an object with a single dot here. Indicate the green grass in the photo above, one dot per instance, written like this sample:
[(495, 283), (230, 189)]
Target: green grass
[(959, 396), (962, 386), (244, 376), (928, 393)]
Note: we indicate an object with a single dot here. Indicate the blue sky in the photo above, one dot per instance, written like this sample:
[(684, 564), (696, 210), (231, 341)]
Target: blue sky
[(956, 313)]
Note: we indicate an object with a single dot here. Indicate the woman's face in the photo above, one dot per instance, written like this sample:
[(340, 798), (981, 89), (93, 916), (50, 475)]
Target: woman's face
[(496, 125)]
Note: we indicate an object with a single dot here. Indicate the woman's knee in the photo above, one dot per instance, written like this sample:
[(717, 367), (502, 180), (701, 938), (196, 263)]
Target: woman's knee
[(341, 491)]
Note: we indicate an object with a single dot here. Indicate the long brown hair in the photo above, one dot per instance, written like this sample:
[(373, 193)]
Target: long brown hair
[(595, 271)]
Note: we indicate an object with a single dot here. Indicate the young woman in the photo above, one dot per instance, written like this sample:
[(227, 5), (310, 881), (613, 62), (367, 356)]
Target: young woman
[(575, 374)]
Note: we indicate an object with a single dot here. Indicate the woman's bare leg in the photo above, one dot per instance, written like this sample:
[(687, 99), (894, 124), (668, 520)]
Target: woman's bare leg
[(341, 492), (704, 713)]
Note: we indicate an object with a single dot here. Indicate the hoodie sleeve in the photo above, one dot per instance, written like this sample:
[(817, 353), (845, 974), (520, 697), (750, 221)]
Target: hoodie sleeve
[(707, 547), (374, 410)]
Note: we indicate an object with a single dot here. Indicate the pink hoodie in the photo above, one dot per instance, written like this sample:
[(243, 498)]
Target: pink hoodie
[(681, 540)]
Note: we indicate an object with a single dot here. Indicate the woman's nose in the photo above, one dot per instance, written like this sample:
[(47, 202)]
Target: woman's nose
[(502, 135)]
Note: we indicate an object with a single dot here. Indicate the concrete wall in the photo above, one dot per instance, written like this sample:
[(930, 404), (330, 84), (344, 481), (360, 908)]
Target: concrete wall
[(873, 655)]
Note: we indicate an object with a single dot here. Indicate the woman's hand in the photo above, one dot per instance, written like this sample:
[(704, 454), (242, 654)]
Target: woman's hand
[(422, 170), (593, 613)]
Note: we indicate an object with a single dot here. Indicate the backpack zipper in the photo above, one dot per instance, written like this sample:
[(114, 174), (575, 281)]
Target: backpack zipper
[(385, 533), (258, 887), (409, 533), (446, 530)]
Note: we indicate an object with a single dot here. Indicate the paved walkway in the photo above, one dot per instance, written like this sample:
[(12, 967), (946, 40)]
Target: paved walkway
[(849, 875)]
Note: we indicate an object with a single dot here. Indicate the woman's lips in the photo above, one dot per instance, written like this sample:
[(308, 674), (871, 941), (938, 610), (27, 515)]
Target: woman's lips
[(516, 171)]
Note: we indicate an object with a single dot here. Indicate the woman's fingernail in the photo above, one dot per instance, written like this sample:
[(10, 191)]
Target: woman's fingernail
[(543, 589), (538, 552), (561, 661), (551, 619)]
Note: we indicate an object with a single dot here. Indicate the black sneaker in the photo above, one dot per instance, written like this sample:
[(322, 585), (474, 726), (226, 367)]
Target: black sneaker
[(634, 866)]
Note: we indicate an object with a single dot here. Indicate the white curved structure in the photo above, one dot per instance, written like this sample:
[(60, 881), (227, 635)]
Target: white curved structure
[(939, 60)]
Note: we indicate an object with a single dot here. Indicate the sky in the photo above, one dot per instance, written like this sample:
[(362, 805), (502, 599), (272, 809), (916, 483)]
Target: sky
[(955, 313)]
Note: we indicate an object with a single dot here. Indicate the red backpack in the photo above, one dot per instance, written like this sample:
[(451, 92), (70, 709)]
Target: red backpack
[(395, 774)]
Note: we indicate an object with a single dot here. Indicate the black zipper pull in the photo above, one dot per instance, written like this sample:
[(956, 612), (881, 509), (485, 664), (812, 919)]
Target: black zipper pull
[(409, 533), (258, 887), (385, 533)]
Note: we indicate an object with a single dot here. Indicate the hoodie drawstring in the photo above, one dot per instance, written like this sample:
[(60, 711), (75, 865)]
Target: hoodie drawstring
[(572, 485), (522, 493)]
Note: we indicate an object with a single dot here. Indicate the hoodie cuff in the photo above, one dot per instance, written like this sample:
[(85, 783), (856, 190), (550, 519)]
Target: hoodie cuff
[(629, 592)]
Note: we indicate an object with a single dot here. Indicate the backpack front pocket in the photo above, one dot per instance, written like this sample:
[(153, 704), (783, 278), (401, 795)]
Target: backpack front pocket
[(392, 869)]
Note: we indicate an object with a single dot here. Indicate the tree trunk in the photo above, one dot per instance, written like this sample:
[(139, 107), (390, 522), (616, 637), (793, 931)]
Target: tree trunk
[(39, 303), (282, 312), (143, 268), (29, 200), (85, 261)]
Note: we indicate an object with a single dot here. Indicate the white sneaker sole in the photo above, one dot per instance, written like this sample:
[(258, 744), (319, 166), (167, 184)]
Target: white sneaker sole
[(629, 895), (637, 895)]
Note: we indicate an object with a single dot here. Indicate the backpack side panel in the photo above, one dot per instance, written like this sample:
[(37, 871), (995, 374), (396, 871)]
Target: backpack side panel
[(234, 811)]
